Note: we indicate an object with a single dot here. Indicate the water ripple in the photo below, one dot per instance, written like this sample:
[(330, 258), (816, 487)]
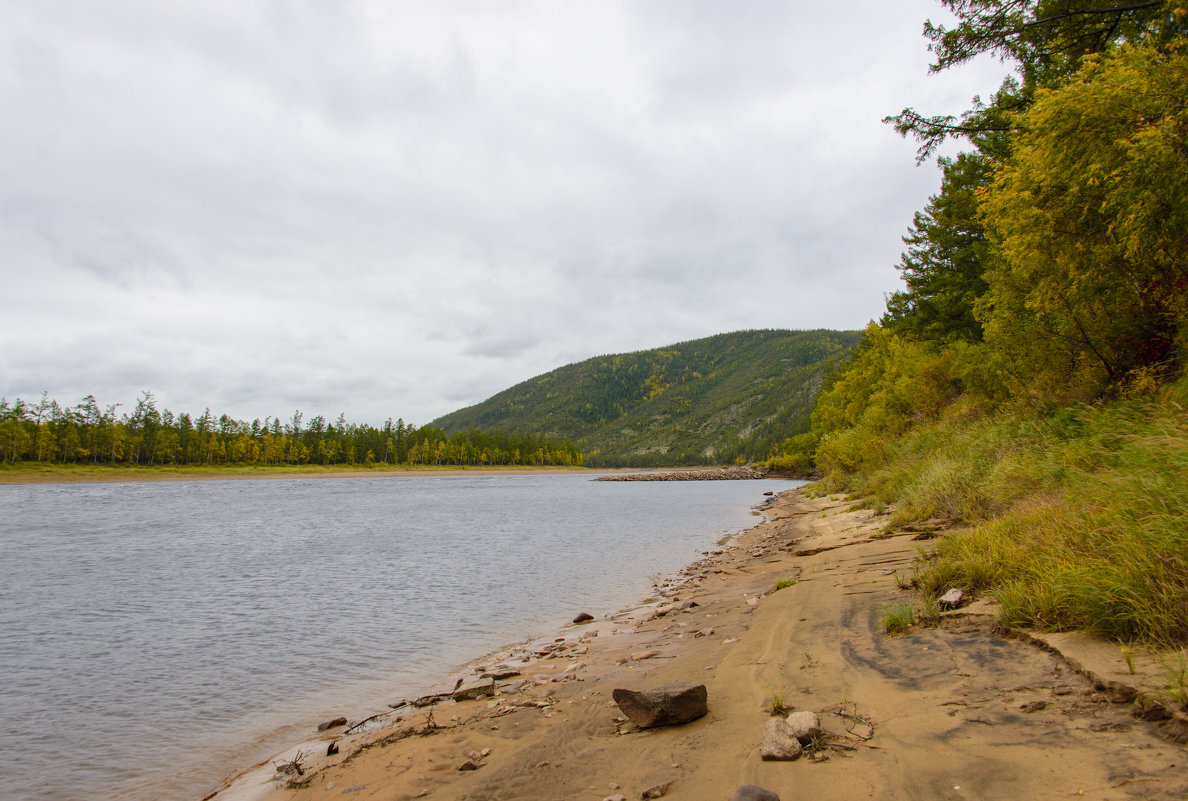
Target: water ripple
[(156, 635)]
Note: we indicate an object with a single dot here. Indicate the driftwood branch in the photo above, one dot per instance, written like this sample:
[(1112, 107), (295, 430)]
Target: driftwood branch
[(351, 728), (842, 713)]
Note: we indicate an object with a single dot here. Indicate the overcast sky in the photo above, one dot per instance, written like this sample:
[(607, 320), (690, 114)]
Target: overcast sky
[(401, 208)]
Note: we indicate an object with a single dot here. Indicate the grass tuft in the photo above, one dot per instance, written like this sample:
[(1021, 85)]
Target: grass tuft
[(1176, 673), (897, 618), (778, 706)]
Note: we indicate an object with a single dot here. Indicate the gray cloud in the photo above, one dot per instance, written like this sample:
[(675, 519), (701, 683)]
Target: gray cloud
[(400, 208)]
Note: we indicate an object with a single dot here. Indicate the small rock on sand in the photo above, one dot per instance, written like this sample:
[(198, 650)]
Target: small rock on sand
[(330, 724), (951, 599), (659, 791), (752, 792), (669, 704), (468, 765), (584, 617), (473, 690), (804, 725), (779, 741), (640, 655)]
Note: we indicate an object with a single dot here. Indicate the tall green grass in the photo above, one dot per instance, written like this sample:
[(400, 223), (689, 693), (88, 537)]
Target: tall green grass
[(1078, 517)]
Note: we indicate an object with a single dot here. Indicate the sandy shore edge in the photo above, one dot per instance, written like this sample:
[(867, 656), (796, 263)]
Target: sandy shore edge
[(257, 781), (947, 707)]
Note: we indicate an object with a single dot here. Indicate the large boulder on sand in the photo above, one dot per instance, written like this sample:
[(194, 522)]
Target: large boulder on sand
[(779, 741), (667, 705)]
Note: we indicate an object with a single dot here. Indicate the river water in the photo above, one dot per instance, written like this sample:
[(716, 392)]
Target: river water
[(156, 636)]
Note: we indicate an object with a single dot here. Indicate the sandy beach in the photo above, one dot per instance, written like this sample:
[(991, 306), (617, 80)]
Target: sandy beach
[(952, 711)]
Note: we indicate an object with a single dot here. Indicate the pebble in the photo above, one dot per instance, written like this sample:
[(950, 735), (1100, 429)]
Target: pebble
[(659, 791)]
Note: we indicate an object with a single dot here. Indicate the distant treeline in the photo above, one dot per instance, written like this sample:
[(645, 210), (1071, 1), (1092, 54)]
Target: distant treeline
[(89, 434)]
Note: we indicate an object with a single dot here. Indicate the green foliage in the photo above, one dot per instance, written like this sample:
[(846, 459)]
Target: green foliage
[(1076, 514), (778, 706), (726, 398), (784, 583), (897, 618), (1059, 439), (1089, 217), (1175, 671), (85, 434), (889, 385), (1046, 38), (1045, 41), (945, 259), (795, 455)]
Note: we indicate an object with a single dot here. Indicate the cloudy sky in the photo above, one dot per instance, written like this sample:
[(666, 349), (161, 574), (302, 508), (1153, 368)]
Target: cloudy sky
[(398, 208)]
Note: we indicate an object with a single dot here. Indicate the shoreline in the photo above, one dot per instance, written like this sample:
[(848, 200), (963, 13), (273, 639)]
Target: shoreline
[(258, 781), (69, 475), (942, 719)]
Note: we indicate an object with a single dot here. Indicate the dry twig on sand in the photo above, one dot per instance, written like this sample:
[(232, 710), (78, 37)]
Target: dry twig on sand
[(292, 767), (365, 720), (841, 712)]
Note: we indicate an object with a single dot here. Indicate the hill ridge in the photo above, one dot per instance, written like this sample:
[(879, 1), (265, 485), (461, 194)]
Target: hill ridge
[(713, 400)]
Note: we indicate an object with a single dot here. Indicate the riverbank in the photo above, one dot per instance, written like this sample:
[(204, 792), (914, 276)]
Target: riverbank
[(950, 711), (732, 473), (26, 473)]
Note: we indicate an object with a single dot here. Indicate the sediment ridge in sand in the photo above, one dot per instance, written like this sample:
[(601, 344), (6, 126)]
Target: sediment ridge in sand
[(950, 711)]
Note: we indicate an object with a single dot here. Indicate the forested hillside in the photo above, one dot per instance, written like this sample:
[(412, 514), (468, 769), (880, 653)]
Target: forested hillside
[(716, 400), (1029, 382)]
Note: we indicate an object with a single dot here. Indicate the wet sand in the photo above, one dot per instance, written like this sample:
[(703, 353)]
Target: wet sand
[(954, 711)]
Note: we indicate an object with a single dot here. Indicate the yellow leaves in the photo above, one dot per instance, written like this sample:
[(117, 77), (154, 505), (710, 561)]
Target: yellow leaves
[(654, 386), (1093, 203)]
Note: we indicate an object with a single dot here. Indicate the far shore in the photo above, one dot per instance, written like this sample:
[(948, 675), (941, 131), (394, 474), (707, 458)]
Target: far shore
[(71, 473)]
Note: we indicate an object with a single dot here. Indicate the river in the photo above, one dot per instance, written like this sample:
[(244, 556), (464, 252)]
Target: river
[(155, 636)]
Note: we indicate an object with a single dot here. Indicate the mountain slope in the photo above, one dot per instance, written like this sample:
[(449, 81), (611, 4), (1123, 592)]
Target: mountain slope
[(711, 400)]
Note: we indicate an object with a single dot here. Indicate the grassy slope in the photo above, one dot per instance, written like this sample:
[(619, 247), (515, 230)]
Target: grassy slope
[(1076, 515), (713, 399)]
